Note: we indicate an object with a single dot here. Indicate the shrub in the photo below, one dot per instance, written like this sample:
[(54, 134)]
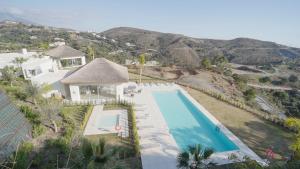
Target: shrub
[(32, 116), (228, 72), (293, 78), (22, 156), (250, 94), (281, 96), (61, 144), (264, 79), (281, 81), (37, 130), (205, 63), (21, 95)]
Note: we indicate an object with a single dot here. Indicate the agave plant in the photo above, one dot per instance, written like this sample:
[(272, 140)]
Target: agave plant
[(97, 154), (193, 157)]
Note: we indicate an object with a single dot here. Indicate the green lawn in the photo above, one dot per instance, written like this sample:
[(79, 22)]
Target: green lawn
[(76, 113), (255, 132)]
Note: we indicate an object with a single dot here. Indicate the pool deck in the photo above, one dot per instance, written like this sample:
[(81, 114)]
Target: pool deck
[(158, 147)]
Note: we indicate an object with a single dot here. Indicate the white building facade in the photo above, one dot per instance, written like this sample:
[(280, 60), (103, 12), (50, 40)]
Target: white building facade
[(98, 80)]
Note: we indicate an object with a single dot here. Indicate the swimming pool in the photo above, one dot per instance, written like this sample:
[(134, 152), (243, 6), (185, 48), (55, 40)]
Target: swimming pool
[(107, 121), (188, 125)]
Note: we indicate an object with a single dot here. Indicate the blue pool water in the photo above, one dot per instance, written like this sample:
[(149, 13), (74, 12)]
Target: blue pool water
[(107, 121), (188, 125)]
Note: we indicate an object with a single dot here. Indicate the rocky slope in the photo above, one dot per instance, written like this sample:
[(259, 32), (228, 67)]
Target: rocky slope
[(187, 50)]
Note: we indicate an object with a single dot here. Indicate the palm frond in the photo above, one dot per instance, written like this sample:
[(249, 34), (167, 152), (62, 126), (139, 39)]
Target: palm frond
[(207, 153), (183, 160)]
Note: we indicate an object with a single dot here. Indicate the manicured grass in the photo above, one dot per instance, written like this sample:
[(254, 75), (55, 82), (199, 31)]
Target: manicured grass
[(76, 113), (255, 132)]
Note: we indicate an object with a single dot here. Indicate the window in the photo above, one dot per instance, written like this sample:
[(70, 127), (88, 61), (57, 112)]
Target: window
[(71, 62), (97, 92)]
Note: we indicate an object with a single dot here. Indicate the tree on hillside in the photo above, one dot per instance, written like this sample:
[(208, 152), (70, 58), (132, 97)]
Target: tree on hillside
[(142, 62), (241, 81), (9, 74), (90, 53), (33, 91), (220, 61), (250, 94), (193, 157), (293, 78), (50, 109), (205, 63), (44, 45)]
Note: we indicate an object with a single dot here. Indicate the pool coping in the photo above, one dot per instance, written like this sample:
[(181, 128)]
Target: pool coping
[(218, 158)]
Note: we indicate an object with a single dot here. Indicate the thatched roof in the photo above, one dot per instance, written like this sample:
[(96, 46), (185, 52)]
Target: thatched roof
[(98, 71), (64, 51)]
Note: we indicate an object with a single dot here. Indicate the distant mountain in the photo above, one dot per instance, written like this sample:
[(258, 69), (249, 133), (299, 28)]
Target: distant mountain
[(122, 43), (5, 16), (187, 50)]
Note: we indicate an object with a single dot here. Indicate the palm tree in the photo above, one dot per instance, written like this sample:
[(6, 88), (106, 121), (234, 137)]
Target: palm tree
[(90, 53), (19, 61), (142, 62), (97, 154), (193, 157)]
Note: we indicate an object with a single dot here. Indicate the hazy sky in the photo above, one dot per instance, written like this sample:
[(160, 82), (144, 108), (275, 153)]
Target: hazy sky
[(271, 20)]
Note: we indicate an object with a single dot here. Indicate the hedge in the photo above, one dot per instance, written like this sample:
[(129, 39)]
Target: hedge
[(87, 115), (131, 114)]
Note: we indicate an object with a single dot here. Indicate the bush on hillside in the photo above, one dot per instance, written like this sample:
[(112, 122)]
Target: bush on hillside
[(250, 94), (205, 63), (293, 78), (264, 79)]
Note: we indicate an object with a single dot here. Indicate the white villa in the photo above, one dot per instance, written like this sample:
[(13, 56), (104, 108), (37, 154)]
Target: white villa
[(98, 80), (38, 66), (67, 57), (7, 59)]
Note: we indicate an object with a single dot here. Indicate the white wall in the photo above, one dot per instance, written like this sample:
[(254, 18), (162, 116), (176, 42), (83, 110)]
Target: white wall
[(120, 91), (83, 60), (74, 92), (45, 65)]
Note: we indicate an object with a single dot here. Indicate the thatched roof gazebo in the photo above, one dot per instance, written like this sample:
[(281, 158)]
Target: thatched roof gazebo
[(98, 79)]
